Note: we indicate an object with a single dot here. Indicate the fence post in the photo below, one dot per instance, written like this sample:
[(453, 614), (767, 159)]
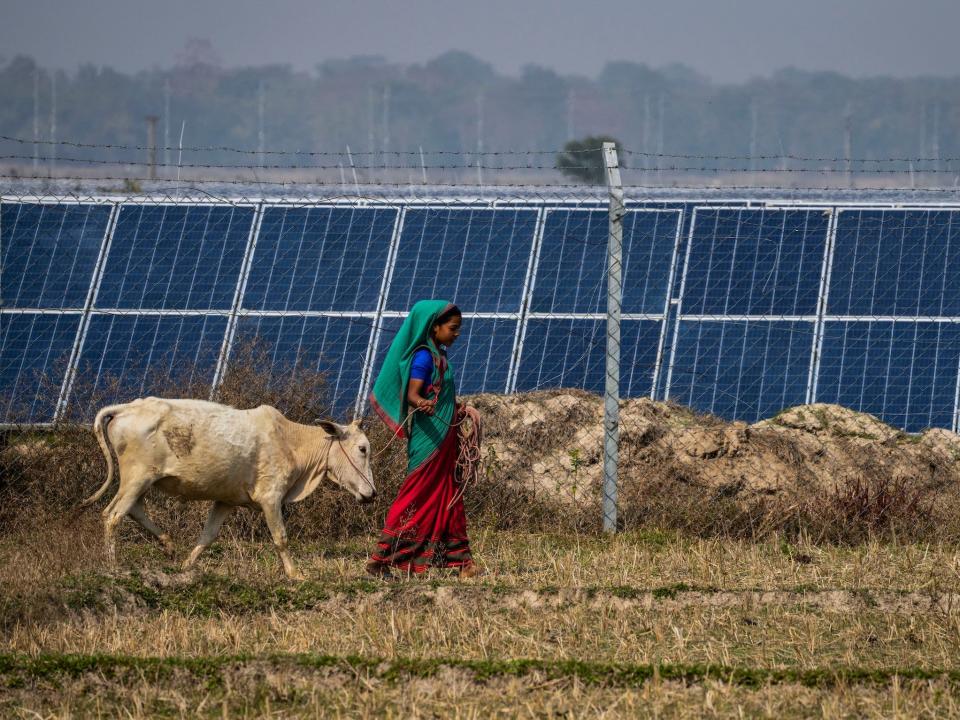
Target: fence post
[(611, 403)]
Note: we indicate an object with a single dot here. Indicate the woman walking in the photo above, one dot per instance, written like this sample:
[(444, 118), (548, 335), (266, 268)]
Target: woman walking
[(415, 396)]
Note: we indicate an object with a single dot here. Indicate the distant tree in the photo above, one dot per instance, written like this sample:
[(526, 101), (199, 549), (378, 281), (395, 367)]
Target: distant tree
[(583, 159)]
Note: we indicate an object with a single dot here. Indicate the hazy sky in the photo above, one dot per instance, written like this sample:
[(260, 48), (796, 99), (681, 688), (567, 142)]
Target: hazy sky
[(729, 40)]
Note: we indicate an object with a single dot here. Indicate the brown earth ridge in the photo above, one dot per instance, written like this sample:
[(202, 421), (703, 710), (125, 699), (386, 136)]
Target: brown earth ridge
[(551, 441)]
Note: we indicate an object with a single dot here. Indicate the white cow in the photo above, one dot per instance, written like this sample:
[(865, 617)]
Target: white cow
[(200, 450)]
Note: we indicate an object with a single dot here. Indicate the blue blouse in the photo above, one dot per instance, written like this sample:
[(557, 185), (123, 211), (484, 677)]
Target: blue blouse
[(422, 367)]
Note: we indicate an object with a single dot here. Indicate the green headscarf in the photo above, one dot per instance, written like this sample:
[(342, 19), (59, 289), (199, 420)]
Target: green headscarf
[(425, 432)]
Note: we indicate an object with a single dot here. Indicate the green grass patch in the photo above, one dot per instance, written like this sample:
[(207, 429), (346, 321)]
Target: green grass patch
[(20, 670)]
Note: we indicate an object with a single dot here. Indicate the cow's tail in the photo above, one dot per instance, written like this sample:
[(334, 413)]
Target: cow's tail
[(100, 430)]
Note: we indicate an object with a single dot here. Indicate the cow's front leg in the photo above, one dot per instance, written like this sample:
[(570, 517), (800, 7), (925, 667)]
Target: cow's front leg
[(274, 518), (218, 513)]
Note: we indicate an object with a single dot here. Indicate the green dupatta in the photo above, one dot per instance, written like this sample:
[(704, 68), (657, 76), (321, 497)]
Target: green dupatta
[(425, 432)]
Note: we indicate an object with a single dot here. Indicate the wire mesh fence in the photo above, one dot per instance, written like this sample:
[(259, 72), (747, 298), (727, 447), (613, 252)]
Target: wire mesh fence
[(789, 361)]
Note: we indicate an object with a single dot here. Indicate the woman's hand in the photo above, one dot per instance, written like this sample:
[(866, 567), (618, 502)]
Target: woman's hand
[(427, 407)]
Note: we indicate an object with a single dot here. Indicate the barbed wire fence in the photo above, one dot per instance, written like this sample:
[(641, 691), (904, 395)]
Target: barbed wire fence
[(780, 351)]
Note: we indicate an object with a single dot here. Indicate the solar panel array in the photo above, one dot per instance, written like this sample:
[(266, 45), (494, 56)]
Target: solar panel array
[(733, 309)]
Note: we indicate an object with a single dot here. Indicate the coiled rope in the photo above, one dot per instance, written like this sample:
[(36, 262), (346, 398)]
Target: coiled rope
[(469, 457), (469, 466)]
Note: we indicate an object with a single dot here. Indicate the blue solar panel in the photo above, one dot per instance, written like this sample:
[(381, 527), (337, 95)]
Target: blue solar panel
[(741, 370), (129, 356), (756, 270), (903, 372), (755, 262), (336, 346), (477, 258), (48, 253), (34, 350), (572, 268), (175, 257), (320, 258), (896, 262), (480, 358), (572, 353)]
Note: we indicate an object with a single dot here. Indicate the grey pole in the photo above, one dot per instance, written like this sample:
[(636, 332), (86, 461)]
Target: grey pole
[(611, 400), (152, 146)]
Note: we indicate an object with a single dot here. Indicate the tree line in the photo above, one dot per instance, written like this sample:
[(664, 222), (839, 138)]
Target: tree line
[(458, 103)]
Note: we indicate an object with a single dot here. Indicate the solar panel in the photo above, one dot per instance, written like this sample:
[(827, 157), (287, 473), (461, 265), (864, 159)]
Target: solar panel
[(175, 257), (320, 258), (903, 372), (572, 267), (896, 262), (336, 346), (743, 370), (34, 353), (480, 358), (738, 344), (475, 257), (126, 356), (754, 262), (48, 253), (565, 352)]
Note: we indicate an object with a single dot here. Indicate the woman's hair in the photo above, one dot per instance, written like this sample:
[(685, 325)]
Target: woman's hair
[(451, 312)]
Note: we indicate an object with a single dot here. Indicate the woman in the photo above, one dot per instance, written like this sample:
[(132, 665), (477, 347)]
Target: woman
[(415, 396)]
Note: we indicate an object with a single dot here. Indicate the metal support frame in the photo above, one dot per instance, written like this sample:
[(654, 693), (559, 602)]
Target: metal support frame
[(611, 400), (66, 387), (245, 265), (825, 272)]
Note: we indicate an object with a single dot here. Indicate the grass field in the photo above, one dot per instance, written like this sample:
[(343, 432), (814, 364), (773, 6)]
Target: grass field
[(563, 626)]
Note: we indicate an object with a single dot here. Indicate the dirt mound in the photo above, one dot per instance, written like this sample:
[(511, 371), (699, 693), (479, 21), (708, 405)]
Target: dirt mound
[(551, 442)]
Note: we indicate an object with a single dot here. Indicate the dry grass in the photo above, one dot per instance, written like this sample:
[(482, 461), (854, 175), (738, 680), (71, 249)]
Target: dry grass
[(646, 598), (862, 575)]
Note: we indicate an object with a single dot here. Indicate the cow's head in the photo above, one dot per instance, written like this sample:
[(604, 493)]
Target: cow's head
[(348, 463)]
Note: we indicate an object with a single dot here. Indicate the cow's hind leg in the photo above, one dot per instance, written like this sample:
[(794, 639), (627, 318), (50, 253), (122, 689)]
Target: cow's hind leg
[(122, 504), (139, 513), (218, 513), (274, 518)]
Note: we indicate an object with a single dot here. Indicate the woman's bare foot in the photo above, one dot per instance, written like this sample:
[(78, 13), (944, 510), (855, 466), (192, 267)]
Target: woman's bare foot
[(379, 570), (471, 570)]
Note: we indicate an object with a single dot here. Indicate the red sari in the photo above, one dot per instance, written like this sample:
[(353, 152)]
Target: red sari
[(424, 528)]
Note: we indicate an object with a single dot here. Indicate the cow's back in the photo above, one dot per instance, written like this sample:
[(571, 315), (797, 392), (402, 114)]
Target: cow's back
[(199, 450)]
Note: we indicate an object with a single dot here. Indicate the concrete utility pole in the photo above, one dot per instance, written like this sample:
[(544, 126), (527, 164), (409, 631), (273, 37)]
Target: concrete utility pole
[(152, 146), (647, 137), (166, 123), (611, 397), (660, 139), (261, 133), (480, 137), (754, 117), (371, 127), (935, 139), (53, 121), (386, 123), (848, 143), (36, 119)]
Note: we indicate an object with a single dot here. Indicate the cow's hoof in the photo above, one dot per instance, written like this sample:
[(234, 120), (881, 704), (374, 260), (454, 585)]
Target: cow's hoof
[(297, 576)]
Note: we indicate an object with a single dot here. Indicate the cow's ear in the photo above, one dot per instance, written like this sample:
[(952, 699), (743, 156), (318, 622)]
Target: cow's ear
[(331, 428)]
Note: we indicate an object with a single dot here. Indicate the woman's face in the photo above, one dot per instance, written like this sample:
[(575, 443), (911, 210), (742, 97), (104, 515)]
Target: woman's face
[(447, 332)]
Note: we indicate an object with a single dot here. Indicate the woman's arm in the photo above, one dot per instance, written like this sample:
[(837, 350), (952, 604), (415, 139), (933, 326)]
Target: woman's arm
[(416, 400)]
